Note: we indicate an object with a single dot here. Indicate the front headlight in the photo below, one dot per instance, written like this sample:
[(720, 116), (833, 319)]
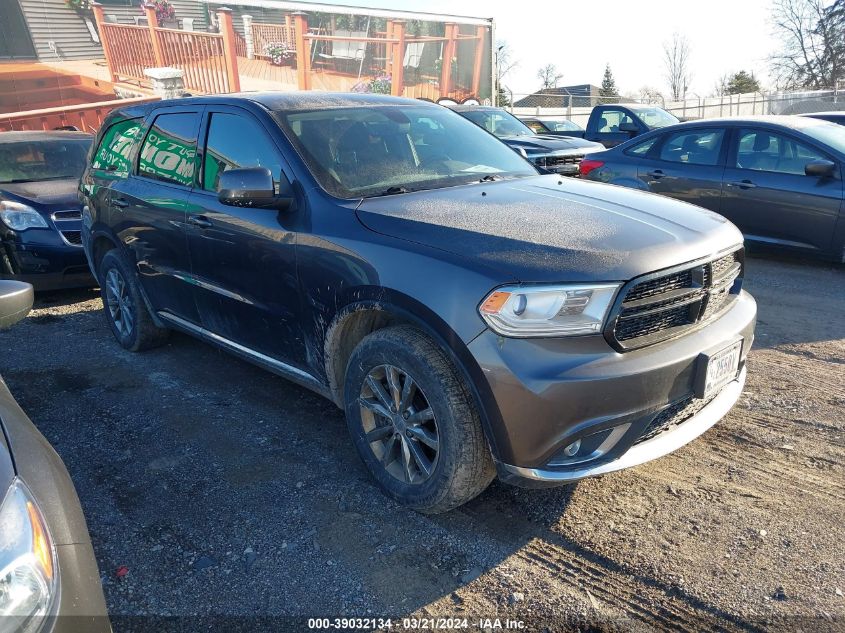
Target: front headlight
[(20, 217), (28, 566), (560, 310)]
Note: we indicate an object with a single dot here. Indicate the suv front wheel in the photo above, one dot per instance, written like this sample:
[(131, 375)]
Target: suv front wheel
[(125, 310), (414, 422)]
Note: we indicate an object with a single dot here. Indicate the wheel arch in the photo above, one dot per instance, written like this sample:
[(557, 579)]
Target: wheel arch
[(369, 311)]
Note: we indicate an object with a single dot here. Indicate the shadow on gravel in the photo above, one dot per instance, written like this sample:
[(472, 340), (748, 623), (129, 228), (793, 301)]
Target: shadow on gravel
[(56, 298)]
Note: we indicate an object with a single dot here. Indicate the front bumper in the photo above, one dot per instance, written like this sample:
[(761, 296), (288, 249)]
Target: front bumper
[(658, 446), (549, 393), (48, 263)]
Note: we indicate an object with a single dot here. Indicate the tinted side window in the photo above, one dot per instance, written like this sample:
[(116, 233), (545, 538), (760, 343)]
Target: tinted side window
[(226, 148), (762, 150), (169, 152), (693, 147), (641, 149), (113, 153)]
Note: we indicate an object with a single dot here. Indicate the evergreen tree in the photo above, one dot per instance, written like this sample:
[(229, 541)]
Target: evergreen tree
[(609, 93)]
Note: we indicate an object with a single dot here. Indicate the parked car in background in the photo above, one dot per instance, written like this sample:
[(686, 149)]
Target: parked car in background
[(40, 214), (837, 116), (778, 178), (48, 574), (467, 313), (553, 127), (612, 124), (552, 154)]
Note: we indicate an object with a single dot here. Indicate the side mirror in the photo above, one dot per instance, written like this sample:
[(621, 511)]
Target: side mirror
[(820, 168), (629, 127), (252, 187), (15, 302)]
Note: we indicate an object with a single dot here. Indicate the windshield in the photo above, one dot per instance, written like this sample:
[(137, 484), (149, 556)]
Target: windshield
[(498, 122), (830, 134), (655, 117), (380, 150), (562, 126), (29, 161)]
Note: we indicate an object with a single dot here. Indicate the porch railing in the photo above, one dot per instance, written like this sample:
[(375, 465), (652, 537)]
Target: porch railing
[(209, 60), (86, 117)]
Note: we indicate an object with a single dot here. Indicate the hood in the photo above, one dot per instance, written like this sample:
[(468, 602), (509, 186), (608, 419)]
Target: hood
[(545, 228), (46, 193), (544, 143)]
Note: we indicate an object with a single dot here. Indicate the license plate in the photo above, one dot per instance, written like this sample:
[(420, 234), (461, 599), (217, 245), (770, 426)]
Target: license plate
[(721, 369)]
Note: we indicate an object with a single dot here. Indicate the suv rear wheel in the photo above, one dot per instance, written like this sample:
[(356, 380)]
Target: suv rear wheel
[(414, 423), (125, 310)]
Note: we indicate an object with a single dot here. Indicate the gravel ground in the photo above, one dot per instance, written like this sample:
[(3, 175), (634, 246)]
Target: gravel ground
[(225, 490)]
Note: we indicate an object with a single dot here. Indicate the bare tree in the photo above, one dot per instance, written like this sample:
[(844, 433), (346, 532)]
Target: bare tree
[(504, 64), (676, 58), (813, 35), (651, 95), (549, 75)]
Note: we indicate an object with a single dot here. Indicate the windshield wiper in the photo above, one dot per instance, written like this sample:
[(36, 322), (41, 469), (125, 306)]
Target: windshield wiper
[(490, 178), (392, 191)]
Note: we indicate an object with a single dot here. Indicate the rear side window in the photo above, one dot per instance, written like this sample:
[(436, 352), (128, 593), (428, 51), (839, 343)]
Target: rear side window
[(693, 147), (113, 152), (169, 152), (641, 149), (226, 148)]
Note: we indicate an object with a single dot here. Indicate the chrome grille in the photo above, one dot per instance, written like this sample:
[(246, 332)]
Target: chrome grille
[(661, 306)]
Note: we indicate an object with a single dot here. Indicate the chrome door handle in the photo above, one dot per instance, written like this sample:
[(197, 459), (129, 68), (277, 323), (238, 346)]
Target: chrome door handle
[(657, 174), (120, 203), (200, 221)]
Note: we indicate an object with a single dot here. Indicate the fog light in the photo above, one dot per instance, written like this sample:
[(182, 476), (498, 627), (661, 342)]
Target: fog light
[(572, 449)]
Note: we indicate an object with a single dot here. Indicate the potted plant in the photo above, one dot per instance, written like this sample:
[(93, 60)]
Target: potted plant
[(279, 53), (380, 85)]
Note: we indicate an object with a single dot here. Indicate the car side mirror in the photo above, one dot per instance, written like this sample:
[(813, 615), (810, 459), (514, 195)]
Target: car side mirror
[(629, 127), (253, 187), (15, 302), (820, 168)]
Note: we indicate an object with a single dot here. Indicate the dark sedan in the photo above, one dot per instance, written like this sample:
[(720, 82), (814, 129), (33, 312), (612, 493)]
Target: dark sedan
[(778, 178), (49, 581), (552, 154), (837, 116), (40, 214)]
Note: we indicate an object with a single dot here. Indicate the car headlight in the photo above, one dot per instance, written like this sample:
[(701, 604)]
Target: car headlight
[(559, 310), (28, 566), (20, 217)]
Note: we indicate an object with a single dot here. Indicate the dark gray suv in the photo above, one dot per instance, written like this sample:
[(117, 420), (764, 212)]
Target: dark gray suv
[(467, 313)]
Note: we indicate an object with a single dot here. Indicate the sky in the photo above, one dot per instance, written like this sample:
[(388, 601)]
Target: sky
[(580, 37)]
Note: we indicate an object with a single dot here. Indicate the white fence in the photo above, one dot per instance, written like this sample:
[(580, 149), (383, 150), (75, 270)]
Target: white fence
[(577, 108)]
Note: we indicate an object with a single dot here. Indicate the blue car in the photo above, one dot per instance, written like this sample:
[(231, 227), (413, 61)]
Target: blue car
[(779, 179), (40, 213)]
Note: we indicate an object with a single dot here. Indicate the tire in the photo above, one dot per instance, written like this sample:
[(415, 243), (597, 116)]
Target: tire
[(455, 464), (131, 324)]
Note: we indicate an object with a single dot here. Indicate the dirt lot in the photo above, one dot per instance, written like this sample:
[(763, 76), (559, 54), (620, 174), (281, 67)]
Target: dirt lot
[(226, 490)]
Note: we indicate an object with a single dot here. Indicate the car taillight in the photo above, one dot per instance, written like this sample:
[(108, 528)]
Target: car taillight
[(587, 165)]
